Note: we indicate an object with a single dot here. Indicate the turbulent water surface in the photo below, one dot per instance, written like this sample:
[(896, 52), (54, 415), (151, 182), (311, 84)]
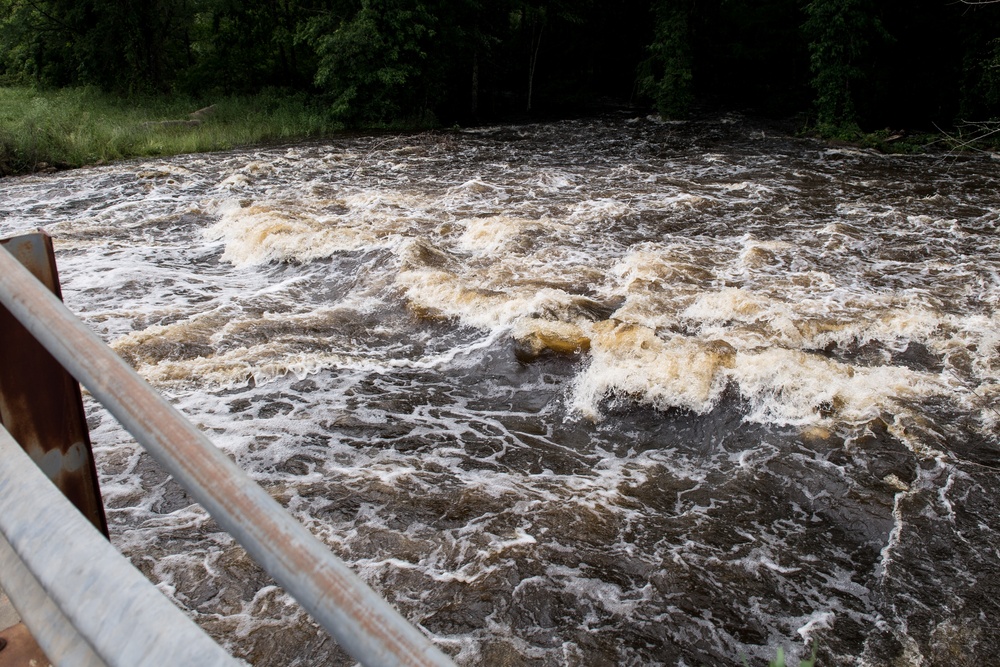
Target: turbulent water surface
[(604, 392)]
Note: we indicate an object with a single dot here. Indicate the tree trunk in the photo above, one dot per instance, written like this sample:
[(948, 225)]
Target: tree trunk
[(475, 84), (533, 62)]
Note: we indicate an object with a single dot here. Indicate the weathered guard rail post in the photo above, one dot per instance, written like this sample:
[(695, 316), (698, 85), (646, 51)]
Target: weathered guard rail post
[(40, 403), (362, 622)]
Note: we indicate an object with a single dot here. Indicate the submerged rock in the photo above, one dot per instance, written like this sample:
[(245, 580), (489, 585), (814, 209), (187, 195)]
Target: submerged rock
[(535, 338)]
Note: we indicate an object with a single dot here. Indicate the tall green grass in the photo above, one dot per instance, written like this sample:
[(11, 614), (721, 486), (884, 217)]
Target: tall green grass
[(79, 126)]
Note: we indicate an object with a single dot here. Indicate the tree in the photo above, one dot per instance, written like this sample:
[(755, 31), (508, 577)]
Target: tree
[(240, 46), (980, 67), (666, 76), (839, 33), (373, 61), (532, 19), (118, 45)]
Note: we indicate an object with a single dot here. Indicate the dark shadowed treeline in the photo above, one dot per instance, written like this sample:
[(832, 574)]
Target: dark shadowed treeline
[(844, 63)]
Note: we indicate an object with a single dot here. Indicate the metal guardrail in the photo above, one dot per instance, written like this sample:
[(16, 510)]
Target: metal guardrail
[(88, 611), (364, 624)]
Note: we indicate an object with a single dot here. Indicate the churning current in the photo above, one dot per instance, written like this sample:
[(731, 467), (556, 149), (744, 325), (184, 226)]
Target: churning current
[(594, 392)]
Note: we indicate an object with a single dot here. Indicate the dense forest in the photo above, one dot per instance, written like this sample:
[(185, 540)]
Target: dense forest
[(835, 63)]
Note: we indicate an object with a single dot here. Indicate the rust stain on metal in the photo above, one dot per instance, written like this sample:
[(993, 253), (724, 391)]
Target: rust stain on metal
[(40, 403), (19, 649)]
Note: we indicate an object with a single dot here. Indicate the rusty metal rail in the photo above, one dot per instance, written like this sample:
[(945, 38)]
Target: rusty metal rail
[(364, 624), (40, 403)]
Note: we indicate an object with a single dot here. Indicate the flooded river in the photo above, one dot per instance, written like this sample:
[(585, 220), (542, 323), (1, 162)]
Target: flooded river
[(597, 392)]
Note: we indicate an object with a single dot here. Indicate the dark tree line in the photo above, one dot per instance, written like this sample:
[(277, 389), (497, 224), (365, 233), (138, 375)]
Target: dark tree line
[(872, 63)]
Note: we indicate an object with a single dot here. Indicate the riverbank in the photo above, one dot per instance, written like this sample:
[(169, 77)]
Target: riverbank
[(73, 127), (50, 130)]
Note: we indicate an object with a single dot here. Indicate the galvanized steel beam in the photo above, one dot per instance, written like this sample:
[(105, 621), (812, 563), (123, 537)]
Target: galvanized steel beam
[(92, 610), (40, 402), (364, 624)]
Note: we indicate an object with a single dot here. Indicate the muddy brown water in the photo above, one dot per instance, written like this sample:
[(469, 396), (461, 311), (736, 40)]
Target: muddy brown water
[(596, 392)]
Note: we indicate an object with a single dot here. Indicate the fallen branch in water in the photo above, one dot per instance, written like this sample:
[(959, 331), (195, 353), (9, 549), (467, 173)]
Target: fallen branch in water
[(375, 147), (979, 130), (195, 119), (172, 123)]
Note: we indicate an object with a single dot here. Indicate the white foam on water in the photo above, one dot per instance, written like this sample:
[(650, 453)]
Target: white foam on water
[(491, 235), (554, 180), (601, 210), (339, 318), (286, 231), (791, 387), (676, 372)]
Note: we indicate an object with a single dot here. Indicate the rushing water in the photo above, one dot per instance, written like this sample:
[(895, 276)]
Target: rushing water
[(605, 392)]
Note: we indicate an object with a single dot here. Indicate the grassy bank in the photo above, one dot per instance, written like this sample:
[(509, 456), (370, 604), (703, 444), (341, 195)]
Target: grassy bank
[(41, 130), (967, 137)]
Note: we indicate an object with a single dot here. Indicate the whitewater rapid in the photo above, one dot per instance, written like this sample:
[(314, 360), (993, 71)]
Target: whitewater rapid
[(608, 391)]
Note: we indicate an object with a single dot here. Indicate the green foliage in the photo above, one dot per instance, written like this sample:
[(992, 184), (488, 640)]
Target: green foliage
[(391, 62), (839, 33), (239, 47), (981, 84), (666, 76), (375, 62), (125, 46)]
